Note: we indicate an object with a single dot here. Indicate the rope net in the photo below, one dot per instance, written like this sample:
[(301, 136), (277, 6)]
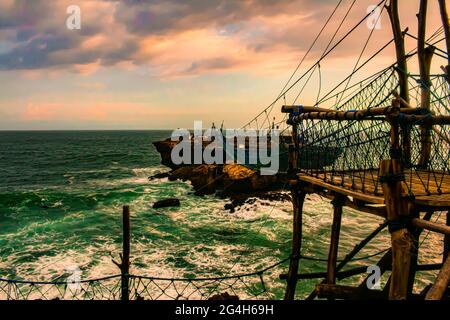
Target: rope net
[(347, 153), (245, 286)]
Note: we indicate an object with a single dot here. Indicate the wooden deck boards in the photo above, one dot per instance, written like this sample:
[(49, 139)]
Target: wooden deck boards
[(428, 188)]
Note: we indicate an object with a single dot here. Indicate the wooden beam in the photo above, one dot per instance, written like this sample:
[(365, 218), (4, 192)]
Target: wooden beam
[(424, 120), (334, 240), (425, 55), (432, 226), (445, 24), (401, 238), (298, 199), (416, 232), (446, 240), (402, 71), (442, 281), (125, 266), (354, 271), (399, 37), (352, 254), (347, 192), (301, 109)]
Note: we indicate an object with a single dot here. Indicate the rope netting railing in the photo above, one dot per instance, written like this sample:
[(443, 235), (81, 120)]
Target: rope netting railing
[(108, 288), (243, 286), (347, 152)]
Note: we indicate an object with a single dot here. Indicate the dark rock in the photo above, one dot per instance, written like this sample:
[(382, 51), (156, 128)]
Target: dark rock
[(230, 206), (202, 177), (165, 150), (166, 203), (161, 175)]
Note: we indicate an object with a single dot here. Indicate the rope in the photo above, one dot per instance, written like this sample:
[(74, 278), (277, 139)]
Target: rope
[(321, 59)]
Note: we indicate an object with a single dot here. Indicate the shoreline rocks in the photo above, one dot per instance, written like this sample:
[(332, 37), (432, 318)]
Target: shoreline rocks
[(228, 180), (166, 203)]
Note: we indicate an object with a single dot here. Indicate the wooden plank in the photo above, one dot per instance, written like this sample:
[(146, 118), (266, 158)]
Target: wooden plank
[(350, 193), (333, 181), (442, 281), (432, 226)]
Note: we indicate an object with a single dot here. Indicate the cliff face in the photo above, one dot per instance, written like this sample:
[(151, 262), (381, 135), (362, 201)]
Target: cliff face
[(165, 149), (209, 178)]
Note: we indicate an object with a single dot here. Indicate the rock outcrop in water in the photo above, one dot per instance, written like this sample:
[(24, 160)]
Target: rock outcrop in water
[(166, 203), (228, 179)]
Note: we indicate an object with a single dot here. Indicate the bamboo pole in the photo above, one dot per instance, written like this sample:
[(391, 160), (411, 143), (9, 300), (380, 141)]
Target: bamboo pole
[(298, 198), (445, 23), (446, 240), (415, 250), (334, 240), (425, 56), (432, 226), (399, 37), (442, 281), (402, 71), (351, 255), (401, 239), (125, 265)]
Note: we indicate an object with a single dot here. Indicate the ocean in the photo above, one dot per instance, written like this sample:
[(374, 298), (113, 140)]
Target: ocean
[(61, 198)]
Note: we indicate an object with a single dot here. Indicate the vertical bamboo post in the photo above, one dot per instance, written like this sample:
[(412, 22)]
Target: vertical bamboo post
[(425, 56), (445, 23), (298, 198), (402, 71), (125, 265), (399, 37), (446, 241), (337, 202), (397, 215), (294, 150), (442, 281)]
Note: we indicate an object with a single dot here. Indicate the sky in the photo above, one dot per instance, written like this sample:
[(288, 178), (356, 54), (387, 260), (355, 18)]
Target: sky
[(162, 64)]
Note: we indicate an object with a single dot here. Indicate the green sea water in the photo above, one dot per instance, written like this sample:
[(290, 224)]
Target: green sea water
[(61, 195)]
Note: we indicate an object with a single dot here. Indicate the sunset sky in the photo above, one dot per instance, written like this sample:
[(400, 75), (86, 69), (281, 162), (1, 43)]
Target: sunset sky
[(161, 64)]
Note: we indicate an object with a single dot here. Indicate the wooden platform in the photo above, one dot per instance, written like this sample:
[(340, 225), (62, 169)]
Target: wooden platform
[(429, 189)]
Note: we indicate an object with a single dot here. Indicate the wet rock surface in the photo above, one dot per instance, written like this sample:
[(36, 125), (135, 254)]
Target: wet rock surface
[(245, 199), (234, 181), (172, 202)]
